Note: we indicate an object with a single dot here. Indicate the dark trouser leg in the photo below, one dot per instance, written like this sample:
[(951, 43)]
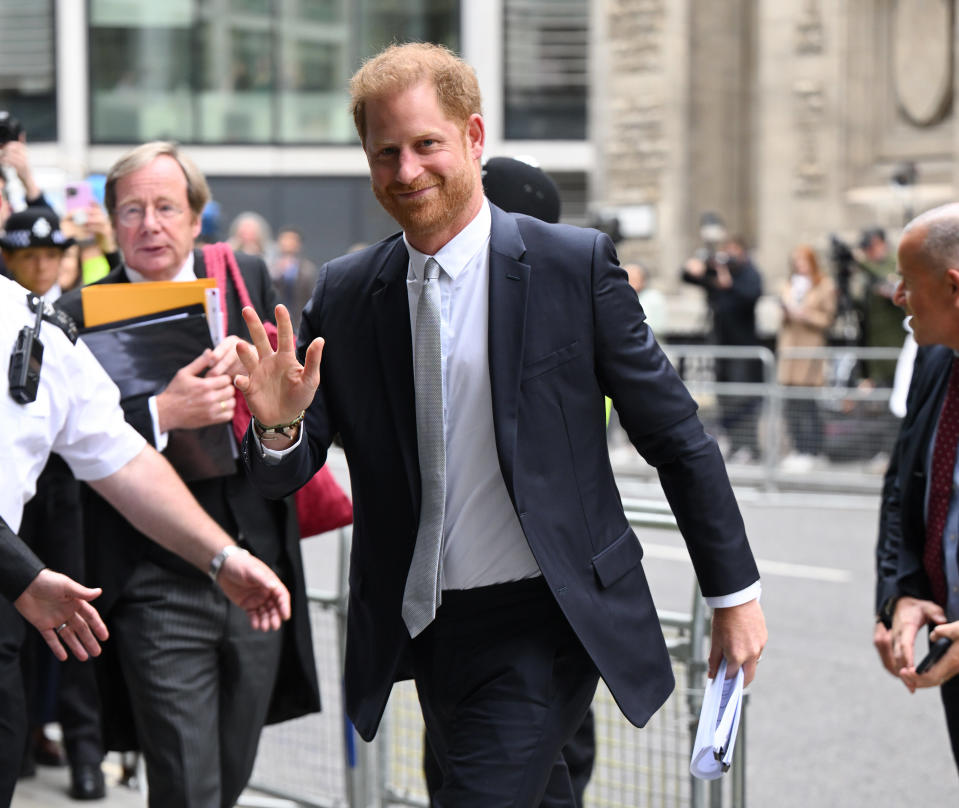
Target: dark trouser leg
[(53, 527), (580, 755), (248, 668), (805, 425), (949, 692), (739, 414), (13, 711), (503, 683), (182, 646), (79, 711)]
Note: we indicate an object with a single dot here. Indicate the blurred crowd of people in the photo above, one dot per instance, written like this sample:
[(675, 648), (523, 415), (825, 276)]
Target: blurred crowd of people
[(815, 311)]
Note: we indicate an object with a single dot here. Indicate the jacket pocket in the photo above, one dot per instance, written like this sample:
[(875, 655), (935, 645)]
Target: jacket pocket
[(613, 562), (554, 359)]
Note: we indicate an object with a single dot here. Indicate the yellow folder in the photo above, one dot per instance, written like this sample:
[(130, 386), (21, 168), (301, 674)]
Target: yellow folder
[(111, 302)]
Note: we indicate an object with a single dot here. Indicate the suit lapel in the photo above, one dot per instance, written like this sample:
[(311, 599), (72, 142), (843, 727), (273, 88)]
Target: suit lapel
[(391, 318), (199, 265), (508, 293)]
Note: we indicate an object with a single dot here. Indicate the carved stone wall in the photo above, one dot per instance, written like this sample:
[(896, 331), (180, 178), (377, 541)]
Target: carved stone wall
[(788, 117), (634, 146)]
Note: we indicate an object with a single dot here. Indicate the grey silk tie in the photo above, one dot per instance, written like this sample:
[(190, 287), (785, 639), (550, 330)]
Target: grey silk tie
[(422, 594)]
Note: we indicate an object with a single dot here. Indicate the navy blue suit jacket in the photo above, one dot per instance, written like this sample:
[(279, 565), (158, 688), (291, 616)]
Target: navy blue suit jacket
[(902, 523), (565, 328)]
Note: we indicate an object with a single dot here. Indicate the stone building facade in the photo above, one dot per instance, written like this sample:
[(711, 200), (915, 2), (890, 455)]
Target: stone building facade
[(793, 119)]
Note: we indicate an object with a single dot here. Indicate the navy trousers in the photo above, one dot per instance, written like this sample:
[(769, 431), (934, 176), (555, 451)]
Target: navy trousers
[(503, 683)]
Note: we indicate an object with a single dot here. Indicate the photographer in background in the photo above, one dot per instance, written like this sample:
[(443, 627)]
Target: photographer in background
[(882, 325), (733, 285), (96, 253), (15, 158), (15, 164)]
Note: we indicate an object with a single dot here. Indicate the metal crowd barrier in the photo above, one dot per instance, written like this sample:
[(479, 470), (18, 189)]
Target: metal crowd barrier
[(319, 761), (858, 430)]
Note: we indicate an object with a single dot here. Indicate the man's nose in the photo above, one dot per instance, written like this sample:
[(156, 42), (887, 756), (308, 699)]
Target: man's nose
[(899, 296), (409, 167), (150, 219)]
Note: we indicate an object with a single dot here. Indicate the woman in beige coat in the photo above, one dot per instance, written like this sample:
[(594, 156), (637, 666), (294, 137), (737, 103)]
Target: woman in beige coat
[(808, 301)]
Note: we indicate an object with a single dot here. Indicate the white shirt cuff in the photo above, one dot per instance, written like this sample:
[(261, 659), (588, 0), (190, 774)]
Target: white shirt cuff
[(751, 592), (160, 439), (274, 456)]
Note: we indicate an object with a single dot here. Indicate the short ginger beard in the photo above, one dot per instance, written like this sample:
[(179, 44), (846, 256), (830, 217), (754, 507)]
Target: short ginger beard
[(435, 214)]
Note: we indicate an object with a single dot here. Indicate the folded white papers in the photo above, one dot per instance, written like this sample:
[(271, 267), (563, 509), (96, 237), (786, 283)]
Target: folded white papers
[(718, 725)]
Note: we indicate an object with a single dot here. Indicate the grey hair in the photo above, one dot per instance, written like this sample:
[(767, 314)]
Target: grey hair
[(197, 190)]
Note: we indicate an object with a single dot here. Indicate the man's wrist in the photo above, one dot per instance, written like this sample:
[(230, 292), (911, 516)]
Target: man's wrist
[(217, 562), (887, 609), (278, 432)]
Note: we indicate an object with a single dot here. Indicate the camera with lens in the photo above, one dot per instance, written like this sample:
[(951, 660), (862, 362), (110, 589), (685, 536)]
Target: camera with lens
[(840, 252), (10, 128), (713, 235)]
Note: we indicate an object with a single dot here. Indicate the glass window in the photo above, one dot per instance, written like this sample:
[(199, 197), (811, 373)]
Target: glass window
[(242, 71), (546, 69), (28, 67)]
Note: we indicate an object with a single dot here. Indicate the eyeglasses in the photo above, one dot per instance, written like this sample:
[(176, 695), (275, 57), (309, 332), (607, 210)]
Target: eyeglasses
[(133, 215)]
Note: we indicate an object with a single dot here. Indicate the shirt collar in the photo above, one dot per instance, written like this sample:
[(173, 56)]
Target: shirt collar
[(458, 251), (186, 273)]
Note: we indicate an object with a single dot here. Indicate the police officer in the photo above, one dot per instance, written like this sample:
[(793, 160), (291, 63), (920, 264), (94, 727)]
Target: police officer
[(76, 413), (33, 248)]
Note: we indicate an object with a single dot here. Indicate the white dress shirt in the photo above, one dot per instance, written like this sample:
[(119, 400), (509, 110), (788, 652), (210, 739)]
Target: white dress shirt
[(483, 542), (76, 414)]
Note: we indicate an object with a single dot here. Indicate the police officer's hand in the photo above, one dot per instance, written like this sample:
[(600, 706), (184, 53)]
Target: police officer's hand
[(192, 399), (58, 607), (276, 386), (256, 589)]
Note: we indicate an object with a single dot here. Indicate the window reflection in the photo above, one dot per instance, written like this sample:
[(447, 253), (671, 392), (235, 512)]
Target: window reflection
[(28, 68), (546, 69), (243, 71)]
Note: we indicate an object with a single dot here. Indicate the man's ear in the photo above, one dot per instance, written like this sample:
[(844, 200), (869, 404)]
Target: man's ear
[(952, 285), (475, 135)]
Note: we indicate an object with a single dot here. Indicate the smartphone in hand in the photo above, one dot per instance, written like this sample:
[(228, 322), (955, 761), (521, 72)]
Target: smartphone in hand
[(936, 650), (79, 195)]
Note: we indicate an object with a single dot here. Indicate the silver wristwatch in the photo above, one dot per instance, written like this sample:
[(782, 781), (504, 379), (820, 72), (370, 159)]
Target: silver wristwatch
[(218, 560)]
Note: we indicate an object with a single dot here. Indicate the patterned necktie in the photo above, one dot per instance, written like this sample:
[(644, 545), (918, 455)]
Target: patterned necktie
[(940, 486), (422, 595)]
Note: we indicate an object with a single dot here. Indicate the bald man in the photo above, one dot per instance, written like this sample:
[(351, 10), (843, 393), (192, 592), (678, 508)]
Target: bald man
[(917, 563)]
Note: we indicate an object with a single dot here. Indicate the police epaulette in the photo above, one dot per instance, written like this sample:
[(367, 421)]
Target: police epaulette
[(60, 319)]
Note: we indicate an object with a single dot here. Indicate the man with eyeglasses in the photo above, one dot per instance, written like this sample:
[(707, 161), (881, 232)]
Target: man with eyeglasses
[(201, 684)]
